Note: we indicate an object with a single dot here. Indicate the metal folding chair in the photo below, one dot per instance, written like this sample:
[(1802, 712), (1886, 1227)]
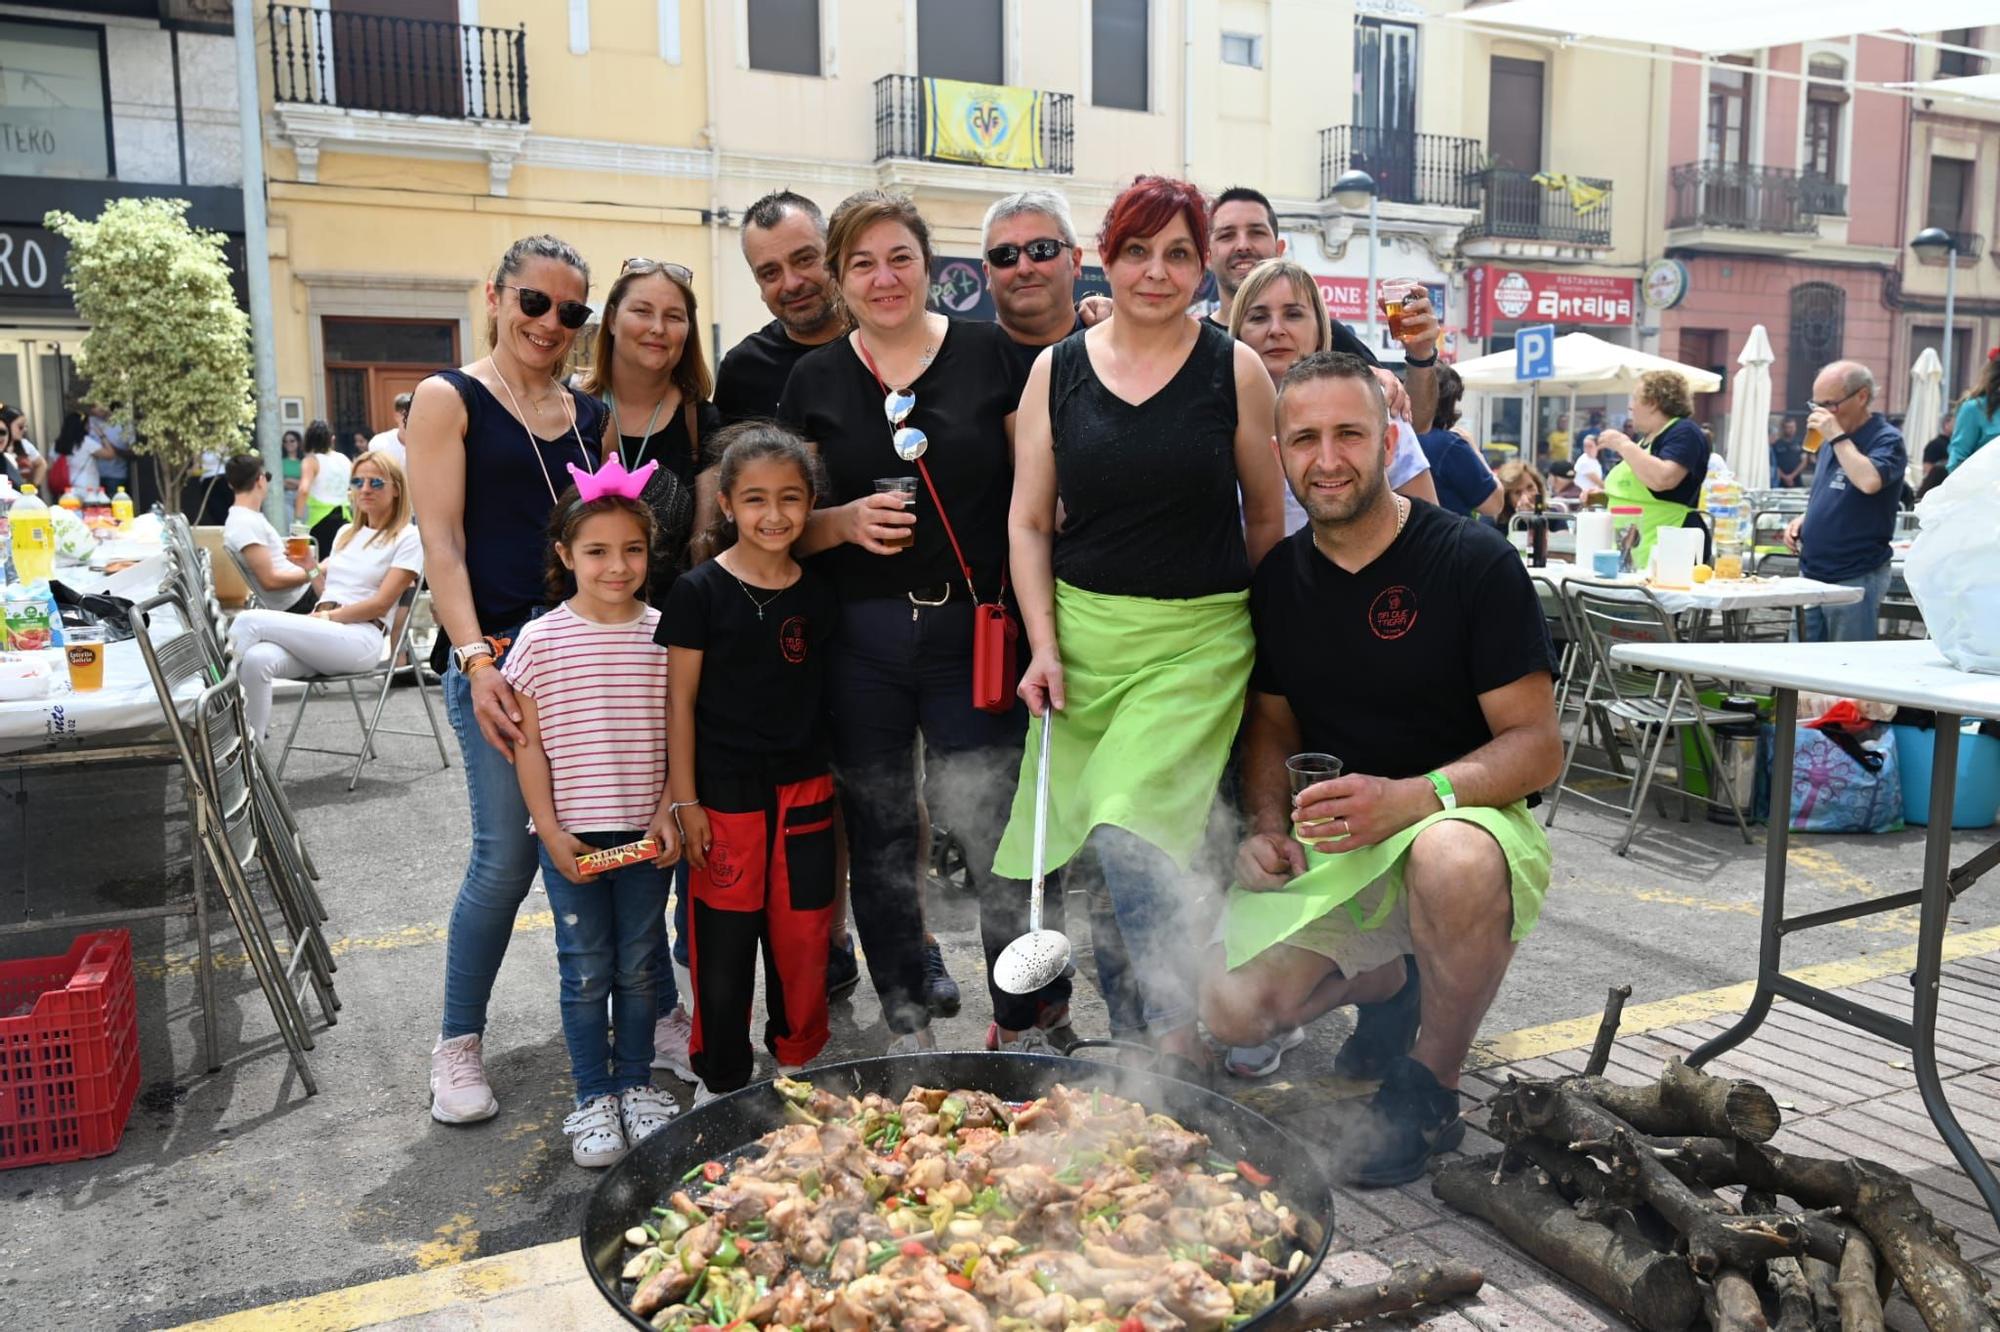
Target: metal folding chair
[(1653, 705), (253, 590), (396, 644)]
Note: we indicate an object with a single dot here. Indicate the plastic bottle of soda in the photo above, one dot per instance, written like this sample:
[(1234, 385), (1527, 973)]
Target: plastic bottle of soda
[(32, 536)]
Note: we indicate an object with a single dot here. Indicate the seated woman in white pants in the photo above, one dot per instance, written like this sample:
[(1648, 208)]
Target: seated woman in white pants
[(373, 561)]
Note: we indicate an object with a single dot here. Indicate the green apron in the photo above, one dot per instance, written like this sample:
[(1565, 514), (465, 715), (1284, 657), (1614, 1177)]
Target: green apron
[(1622, 486)]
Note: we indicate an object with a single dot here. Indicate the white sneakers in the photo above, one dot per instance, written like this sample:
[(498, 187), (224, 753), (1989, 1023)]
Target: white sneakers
[(912, 1042), (596, 1132), (671, 1035), (645, 1111), (459, 1092)]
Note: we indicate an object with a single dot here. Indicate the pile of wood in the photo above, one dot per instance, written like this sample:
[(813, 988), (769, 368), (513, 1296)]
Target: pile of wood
[(1615, 1188)]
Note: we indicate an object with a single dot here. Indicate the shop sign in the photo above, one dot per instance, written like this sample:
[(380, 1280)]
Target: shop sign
[(1497, 293), (1665, 284), (52, 112), (32, 262), (1347, 297)]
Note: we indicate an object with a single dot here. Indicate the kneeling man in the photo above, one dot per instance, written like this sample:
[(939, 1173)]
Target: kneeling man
[(1408, 643)]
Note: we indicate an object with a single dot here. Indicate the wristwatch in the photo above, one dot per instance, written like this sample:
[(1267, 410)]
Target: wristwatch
[(1442, 785), (463, 656)]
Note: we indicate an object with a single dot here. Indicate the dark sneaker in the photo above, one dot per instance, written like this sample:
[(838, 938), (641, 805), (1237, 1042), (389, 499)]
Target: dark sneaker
[(940, 990), (842, 972), (1410, 1120), (1383, 1032)]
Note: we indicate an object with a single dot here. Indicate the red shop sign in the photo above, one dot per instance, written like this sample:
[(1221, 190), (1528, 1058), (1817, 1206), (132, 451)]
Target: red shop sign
[(1347, 297), (1496, 292)]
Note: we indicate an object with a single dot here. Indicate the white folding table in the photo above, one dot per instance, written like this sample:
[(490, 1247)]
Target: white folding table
[(1908, 673)]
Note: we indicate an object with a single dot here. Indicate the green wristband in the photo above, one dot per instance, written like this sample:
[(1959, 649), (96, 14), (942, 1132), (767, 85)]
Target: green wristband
[(1442, 785)]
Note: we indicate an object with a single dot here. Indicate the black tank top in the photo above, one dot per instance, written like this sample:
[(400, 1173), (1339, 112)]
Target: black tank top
[(1149, 492)]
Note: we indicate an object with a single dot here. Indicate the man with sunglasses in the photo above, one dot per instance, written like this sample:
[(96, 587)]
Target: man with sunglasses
[(1032, 264), (784, 242), (281, 584), (1843, 536)]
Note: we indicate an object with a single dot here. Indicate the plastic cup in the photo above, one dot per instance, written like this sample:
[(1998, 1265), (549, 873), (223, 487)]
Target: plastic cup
[(296, 548), (1813, 440), (906, 487), (1391, 295), (1306, 770), (84, 649)]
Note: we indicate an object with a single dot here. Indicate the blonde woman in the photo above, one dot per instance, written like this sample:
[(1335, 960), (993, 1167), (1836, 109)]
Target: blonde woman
[(373, 561), (1280, 314)]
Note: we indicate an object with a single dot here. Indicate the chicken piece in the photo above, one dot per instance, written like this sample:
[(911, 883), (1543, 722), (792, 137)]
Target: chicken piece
[(766, 1260), (929, 1172), (1059, 1225), (918, 1121), (1027, 1187), (1167, 1143), (924, 1098), (1262, 1222), (698, 1245), (795, 1300), (742, 1208), (850, 1259), (1148, 1199), (1184, 1226), (960, 1307), (1037, 1116), (983, 1109), (1049, 1311), (1199, 1190), (825, 1105), (864, 1304), (1140, 1234), (1197, 1298), (1252, 1268), (1154, 1316), (1226, 1228), (1111, 1260), (662, 1288)]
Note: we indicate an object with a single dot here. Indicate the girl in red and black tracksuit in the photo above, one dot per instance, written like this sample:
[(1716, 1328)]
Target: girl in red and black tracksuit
[(747, 634)]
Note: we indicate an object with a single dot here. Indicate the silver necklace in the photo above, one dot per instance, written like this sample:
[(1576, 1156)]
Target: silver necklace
[(760, 605)]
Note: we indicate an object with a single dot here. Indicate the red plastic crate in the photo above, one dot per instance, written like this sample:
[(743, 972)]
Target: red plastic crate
[(69, 1064)]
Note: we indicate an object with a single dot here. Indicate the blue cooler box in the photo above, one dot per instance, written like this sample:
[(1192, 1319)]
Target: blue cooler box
[(1977, 800)]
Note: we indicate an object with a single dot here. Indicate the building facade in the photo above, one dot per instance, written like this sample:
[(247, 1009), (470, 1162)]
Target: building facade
[(99, 100)]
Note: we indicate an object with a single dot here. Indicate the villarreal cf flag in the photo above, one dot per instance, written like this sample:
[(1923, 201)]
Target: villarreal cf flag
[(983, 124)]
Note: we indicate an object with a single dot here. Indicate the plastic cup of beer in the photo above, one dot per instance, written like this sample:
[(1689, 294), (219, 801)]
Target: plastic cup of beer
[(1391, 295), (1813, 440), (906, 487), (298, 543), (1307, 770), (84, 648)]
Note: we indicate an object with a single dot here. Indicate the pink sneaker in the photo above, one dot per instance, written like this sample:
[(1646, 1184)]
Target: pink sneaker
[(459, 1093), (671, 1035)]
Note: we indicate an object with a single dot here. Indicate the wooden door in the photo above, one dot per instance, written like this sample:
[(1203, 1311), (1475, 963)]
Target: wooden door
[(384, 383), (397, 55), (1514, 114)]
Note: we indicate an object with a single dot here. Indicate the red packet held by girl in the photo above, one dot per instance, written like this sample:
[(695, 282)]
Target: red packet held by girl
[(611, 858)]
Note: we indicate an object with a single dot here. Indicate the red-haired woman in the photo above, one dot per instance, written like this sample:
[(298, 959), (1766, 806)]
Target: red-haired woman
[(1145, 428)]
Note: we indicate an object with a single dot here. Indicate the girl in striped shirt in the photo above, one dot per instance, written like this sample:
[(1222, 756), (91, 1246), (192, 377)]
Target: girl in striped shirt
[(592, 689)]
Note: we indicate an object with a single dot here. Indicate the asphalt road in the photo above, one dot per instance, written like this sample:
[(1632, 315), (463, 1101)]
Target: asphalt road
[(233, 1189)]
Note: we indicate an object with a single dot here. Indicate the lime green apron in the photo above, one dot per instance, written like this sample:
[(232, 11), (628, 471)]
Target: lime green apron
[(1622, 486)]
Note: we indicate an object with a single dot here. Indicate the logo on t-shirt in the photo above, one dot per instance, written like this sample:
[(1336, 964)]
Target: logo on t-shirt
[(792, 639), (1394, 613)]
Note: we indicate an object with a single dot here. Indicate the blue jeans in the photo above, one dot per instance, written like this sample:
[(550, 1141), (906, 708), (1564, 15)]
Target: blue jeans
[(607, 931), (504, 859), (673, 948), (1149, 899), (1853, 623)]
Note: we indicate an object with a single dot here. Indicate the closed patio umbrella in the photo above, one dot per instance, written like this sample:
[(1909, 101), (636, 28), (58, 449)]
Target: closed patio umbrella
[(1749, 450)]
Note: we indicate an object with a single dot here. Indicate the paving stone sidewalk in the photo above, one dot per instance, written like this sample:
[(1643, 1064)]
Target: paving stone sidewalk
[(1844, 1093)]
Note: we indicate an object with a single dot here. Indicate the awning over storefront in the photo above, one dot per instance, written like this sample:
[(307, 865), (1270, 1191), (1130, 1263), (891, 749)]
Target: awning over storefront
[(1721, 26)]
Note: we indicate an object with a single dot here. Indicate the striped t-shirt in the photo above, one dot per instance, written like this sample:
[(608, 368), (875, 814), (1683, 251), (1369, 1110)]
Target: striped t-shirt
[(600, 694)]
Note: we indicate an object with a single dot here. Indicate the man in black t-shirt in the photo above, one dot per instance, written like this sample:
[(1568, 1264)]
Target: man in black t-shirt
[(1409, 644), (1032, 264), (784, 242)]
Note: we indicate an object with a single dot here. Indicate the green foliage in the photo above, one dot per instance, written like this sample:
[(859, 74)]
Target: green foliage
[(168, 348)]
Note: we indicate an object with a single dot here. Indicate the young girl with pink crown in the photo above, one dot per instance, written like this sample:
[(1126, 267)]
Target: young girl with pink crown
[(592, 689)]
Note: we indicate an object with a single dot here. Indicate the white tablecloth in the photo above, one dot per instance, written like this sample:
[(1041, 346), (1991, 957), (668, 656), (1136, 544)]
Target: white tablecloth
[(1909, 673), (1731, 595)]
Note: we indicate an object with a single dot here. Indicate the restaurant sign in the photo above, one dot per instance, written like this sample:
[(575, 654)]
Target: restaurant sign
[(1496, 293), (1347, 297)]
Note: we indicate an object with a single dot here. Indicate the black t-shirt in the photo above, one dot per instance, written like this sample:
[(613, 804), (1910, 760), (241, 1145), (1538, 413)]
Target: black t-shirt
[(964, 397), (1682, 442), (669, 442), (761, 709), (752, 375), (1026, 352), (1384, 668), (1343, 339)]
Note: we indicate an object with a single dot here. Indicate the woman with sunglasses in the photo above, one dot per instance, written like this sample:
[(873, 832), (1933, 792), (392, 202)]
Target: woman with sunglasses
[(910, 397), (1145, 431), (322, 498), (648, 370), (488, 447), (374, 560)]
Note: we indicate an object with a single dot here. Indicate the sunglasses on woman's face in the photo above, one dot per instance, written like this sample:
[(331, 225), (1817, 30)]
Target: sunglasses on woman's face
[(1041, 250), (361, 482), (678, 272), (535, 304)]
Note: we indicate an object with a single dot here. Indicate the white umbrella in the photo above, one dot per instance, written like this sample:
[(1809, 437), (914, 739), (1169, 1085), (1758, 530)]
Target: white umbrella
[(1583, 364), (1925, 409), (1749, 451)]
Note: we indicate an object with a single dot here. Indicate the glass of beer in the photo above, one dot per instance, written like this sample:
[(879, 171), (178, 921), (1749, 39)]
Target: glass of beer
[(1812, 441), (1391, 296), (298, 544), (906, 487), (84, 649), (1306, 770)]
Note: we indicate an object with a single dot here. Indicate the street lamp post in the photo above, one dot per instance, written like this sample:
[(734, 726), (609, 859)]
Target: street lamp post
[(1929, 241), (1354, 187)]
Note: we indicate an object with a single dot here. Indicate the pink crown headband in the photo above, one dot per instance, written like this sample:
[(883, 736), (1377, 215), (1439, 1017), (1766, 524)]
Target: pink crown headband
[(612, 479)]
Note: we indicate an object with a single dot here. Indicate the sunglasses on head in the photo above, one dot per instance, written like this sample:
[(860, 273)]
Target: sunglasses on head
[(362, 482), (680, 273), (535, 304), (1041, 250)]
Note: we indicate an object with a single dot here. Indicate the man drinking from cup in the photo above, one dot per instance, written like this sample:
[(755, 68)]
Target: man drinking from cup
[(284, 582), (1843, 536), (1407, 646)]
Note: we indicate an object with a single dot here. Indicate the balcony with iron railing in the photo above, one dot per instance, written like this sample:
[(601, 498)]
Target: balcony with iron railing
[(1966, 248), (1738, 197), (383, 83), (1435, 170), (904, 130), (1540, 206)]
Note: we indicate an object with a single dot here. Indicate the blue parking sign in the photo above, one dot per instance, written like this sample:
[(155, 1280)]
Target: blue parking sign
[(1535, 352)]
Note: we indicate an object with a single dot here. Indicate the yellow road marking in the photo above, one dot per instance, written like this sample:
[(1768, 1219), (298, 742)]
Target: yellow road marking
[(457, 1240)]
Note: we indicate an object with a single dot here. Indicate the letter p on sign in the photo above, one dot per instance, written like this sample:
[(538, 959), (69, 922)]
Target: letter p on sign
[(1535, 352)]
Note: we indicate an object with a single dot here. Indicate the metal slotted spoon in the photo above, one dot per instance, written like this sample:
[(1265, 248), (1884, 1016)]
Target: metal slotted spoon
[(1039, 956)]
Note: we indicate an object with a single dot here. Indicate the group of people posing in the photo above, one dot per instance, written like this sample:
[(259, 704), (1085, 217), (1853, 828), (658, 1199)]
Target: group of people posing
[(779, 623)]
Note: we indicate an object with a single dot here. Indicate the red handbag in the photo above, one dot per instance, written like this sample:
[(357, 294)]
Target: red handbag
[(996, 635)]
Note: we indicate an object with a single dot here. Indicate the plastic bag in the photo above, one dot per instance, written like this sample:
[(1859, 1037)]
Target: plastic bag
[(1955, 562)]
